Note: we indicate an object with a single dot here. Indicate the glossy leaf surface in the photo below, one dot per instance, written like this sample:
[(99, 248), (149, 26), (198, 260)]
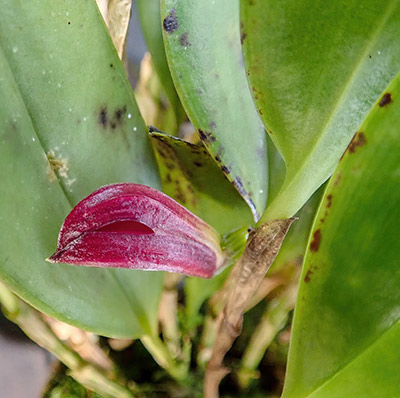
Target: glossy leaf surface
[(150, 21), (134, 226), (190, 176), (202, 42), (346, 332), (315, 69), (68, 124)]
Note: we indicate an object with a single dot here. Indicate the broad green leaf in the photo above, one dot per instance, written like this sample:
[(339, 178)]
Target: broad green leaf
[(68, 124), (346, 332), (150, 21), (202, 41), (315, 69), (191, 177)]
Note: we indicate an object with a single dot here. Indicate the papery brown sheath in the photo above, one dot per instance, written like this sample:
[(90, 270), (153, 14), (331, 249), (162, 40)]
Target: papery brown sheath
[(137, 227)]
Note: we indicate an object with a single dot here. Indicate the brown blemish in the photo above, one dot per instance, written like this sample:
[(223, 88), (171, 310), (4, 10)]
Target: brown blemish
[(218, 158), (69, 23), (103, 117), (184, 39), (57, 166), (385, 100), (119, 113), (338, 178), (170, 23), (206, 136), (358, 140), (225, 169), (169, 166), (242, 37), (197, 164), (329, 201), (307, 278), (314, 245), (116, 120), (168, 178), (213, 125)]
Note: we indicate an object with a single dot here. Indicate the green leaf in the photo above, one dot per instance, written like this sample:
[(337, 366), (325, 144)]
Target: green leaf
[(150, 21), (346, 332), (316, 68), (68, 124), (295, 244), (202, 41), (191, 177)]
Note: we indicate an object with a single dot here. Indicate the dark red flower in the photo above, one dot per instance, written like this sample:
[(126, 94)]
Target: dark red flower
[(137, 227)]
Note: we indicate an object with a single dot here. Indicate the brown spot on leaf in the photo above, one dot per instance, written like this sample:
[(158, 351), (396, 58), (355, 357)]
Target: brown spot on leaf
[(307, 278), (314, 245), (242, 37), (206, 136), (213, 125), (338, 178), (309, 273), (329, 201), (103, 119), (197, 164), (385, 100), (225, 169), (184, 39), (218, 158), (358, 140), (119, 113), (170, 23)]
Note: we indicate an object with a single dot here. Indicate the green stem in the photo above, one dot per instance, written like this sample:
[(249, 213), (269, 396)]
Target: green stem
[(273, 320), (30, 321), (161, 354)]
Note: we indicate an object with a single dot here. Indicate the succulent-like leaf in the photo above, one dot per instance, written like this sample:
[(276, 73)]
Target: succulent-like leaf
[(346, 332), (134, 226), (190, 176), (150, 22), (202, 42), (68, 124), (315, 68)]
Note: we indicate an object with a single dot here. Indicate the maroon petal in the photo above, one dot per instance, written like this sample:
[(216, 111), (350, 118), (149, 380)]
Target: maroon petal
[(134, 226)]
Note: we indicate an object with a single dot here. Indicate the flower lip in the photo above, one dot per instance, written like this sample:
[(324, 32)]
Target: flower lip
[(137, 227), (126, 227)]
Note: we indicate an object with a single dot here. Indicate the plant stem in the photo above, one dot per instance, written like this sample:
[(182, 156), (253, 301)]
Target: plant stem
[(30, 321), (273, 320), (262, 247), (161, 354), (168, 315)]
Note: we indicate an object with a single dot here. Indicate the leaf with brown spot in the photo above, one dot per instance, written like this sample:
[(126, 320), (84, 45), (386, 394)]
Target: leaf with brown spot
[(203, 189), (354, 297), (52, 75), (224, 113), (308, 75)]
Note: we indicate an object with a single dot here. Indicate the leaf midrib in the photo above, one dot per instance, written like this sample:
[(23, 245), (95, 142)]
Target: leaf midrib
[(346, 88)]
